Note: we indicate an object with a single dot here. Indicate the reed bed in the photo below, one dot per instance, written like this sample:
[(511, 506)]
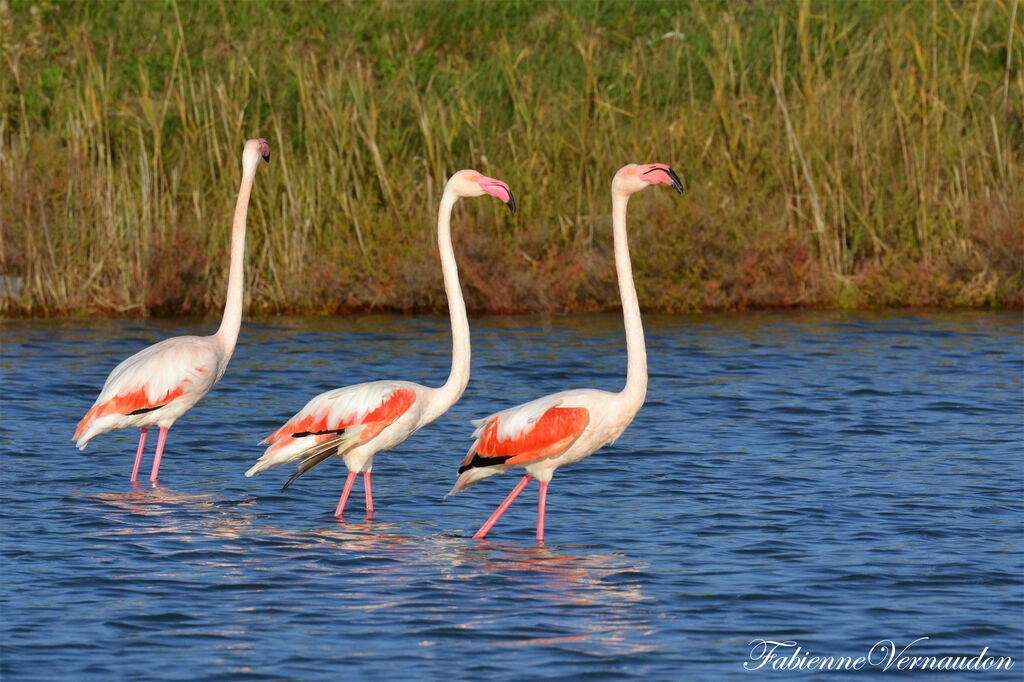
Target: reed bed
[(837, 154)]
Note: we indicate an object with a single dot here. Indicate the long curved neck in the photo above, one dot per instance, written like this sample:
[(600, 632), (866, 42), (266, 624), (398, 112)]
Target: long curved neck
[(227, 335), (636, 353), (447, 395)]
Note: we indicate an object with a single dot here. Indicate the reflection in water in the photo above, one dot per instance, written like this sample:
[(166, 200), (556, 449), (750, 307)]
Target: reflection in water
[(616, 623), (175, 513), (390, 562), (547, 580)]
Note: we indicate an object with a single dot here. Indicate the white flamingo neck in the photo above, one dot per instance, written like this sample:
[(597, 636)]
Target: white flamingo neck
[(227, 335), (447, 395), (636, 352)]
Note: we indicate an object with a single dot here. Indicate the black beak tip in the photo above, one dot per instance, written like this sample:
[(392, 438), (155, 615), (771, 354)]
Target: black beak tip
[(266, 157), (511, 203), (677, 185)]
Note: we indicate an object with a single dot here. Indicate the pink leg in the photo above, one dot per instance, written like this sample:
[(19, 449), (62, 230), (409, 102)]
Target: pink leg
[(344, 493), (138, 455), (369, 494), (541, 502), (159, 453), (504, 505)]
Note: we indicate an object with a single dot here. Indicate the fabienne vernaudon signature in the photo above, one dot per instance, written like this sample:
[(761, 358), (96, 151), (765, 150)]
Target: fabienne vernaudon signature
[(885, 654)]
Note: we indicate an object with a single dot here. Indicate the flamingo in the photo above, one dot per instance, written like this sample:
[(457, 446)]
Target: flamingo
[(547, 433), (357, 422), (159, 384)]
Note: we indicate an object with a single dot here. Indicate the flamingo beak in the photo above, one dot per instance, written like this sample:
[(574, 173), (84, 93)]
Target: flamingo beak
[(676, 184), (497, 188), (264, 150), (511, 203), (672, 179)]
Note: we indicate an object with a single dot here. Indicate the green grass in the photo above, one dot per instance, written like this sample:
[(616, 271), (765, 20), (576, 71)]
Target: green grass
[(837, 154)]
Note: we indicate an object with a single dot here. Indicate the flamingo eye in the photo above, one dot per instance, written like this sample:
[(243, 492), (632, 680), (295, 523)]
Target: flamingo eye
[(473, 177), (630, 171)]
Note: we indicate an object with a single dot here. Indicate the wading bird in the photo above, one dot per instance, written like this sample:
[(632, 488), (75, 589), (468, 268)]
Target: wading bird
[(559, 429), (357, 422), (160, 383)]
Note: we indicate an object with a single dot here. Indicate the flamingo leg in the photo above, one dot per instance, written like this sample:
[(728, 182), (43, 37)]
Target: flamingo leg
[(344, 493), (138, 454), (369, 494), (501, 510), (541, 503), (161, 439)]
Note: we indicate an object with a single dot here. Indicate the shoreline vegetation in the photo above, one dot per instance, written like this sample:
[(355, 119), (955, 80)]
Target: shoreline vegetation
[(835, 154)]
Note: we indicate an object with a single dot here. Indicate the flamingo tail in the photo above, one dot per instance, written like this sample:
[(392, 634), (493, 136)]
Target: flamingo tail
[(471, 477), (288, 450), (316, 456)]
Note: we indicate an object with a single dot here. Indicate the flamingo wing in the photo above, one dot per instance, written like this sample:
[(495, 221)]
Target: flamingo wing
[(179, 368), (336, 419), (523, 434), (368, 405)]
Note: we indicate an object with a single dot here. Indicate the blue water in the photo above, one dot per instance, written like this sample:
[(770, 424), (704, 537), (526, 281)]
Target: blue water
[(833, 480)]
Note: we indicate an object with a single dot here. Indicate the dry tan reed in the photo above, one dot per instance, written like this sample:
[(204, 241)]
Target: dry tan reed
[(837, 154)]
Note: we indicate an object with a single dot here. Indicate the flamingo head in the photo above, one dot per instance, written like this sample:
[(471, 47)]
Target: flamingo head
[(254, 149), (634, 177), (470, 183)]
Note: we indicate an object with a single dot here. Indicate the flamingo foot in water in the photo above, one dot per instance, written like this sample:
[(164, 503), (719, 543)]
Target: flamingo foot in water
[(339, 512), (161, 439), (369, 494), (480, 534), (541, 503), (138, 455)]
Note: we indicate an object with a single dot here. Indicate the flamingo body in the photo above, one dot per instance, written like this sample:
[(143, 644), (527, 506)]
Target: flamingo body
[(357, 422), (563, 428), (154, 387), (543, 435)]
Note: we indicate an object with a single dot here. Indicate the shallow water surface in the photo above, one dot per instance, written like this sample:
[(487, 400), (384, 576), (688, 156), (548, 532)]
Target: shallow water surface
[(832, 480)]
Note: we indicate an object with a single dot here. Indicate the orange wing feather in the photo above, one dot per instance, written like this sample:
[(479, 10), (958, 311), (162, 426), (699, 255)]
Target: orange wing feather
[(126, 403), (377, 420), (551, 434)]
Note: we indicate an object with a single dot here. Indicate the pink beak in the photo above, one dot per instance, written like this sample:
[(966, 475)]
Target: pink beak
[(660, 174), (497, 188)]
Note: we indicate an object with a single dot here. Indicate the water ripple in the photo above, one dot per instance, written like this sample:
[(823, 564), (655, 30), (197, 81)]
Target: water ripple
[(833, 479)]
